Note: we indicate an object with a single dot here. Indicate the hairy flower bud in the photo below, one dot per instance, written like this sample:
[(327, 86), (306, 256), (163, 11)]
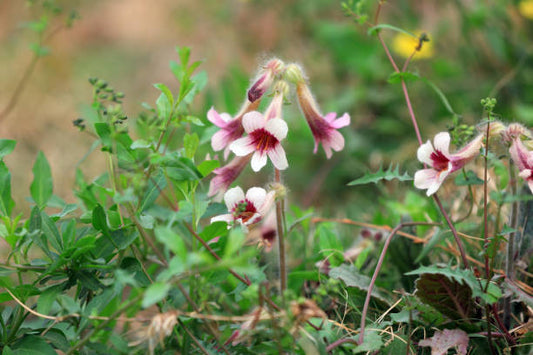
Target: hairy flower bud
[(265, 78), (294, 73)]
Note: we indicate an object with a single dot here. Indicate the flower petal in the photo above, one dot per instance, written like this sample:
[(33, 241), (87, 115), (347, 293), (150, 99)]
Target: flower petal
[(219, 140), (233, 196), (258, 161), (470, 150), (228, 218), (277, 127), (256, 196), (336, 140), (267, 203), (342, 121), (278, 157), (442, 143), (252, 121), (216, 118), (242, 146), (424, 153), (519, 154), (425, 178)]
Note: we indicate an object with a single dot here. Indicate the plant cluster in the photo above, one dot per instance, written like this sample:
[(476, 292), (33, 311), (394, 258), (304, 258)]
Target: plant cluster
[(148, 261)]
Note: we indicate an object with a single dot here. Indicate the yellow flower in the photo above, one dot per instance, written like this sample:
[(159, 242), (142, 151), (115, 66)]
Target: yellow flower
[(405, 45), (526, 9)]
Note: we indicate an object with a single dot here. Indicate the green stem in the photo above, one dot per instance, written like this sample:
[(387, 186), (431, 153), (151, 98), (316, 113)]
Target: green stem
[(281, 237)]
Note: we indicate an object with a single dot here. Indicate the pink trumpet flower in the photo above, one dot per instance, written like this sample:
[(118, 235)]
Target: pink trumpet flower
[(324, 128), (523, 159), (263, 140), (248, 209), (225, 175), (441, 162), (230, 128)]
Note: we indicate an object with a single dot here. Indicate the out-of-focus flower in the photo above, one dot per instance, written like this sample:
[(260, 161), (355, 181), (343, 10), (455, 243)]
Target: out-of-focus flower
[(248, 209), (442, 163), (274, 110), (160, 327), (226, 175), (404, 45), (265, 79), (515, 131), (523, 159), (525, 8), (230, 128), (324, 128), (263, 140)]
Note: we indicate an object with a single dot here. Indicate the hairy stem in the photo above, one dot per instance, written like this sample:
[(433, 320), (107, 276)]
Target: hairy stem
[(281, 237)]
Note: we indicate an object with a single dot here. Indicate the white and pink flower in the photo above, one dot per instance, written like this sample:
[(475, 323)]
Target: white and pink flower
[(523, 159), (441, 162), (245, 209), (263, 139), (324, 128)]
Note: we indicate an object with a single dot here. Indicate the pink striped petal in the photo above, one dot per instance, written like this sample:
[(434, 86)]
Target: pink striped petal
[(278, 157)]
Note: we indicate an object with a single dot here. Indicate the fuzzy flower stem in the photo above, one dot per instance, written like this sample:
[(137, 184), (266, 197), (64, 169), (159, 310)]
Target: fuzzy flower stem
[(485, 210), (419, 137), (509, 262), (378, 268), (281, 237), (453, 230)]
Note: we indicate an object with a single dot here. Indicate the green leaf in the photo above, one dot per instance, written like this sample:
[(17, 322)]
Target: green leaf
[(207, 166), (6, 201), (470, 179), (352, 278), (39, 50), (164, 107), (165, 90), (171, 240), (103, 131), (453, 294), (392, 173), (396, 78), (183, 169), (47, 298), (157, 183), (32, 345), (371, 343), (373, 30), (6, 147), (184, 53), (51, 232), (190, 143), (155, 293), (99, 220), (441, 96), (42, 187)]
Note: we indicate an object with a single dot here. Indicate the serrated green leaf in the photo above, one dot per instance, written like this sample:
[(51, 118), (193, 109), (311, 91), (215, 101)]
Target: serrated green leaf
[(392, 173), (41, 187), (6, 147), (51, 232)]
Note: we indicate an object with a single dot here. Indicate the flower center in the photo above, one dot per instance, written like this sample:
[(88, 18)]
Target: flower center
[(440, 161), (244, 210), (234, 129), (263, 140)]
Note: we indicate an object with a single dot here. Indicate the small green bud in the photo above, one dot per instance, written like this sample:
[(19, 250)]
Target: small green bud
[(294, 73)]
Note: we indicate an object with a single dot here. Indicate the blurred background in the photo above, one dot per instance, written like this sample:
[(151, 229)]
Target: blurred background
[(477, 48)]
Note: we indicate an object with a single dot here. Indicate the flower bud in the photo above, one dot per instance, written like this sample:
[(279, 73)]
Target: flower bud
[(294, 73), (265, 79)]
